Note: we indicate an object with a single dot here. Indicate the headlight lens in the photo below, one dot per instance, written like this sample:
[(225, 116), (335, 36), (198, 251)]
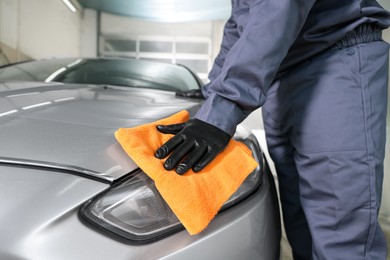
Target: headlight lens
[(133, 209)]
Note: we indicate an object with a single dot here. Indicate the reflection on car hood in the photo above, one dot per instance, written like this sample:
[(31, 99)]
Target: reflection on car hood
[(72, 126)]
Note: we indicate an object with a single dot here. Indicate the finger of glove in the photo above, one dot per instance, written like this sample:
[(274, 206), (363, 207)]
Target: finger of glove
[(168, 147), (178, 155), (192, 158), (204, 161), (170, 129)]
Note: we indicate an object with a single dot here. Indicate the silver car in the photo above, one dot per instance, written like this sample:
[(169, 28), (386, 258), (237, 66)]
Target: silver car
[(69, 191)]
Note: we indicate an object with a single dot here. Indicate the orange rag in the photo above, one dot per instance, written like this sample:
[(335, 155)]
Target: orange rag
[(195, 198)]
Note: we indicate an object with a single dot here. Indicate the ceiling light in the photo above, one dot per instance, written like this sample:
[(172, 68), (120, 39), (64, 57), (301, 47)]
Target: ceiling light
[(70, 5)]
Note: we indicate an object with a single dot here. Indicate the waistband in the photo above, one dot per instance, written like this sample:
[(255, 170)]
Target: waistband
[(362, 34)]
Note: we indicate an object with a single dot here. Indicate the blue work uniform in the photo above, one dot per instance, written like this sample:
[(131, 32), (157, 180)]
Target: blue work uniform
[(320, 71)]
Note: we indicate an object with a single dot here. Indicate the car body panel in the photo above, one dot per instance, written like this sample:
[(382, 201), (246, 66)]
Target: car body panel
[(56, 136), (42, 223), (74, 125), (35, 200)]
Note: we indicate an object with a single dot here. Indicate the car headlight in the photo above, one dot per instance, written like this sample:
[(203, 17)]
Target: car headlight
[(134, 210)]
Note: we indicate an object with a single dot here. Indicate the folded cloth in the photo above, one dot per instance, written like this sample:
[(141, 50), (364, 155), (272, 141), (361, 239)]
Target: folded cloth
[(195, 198)]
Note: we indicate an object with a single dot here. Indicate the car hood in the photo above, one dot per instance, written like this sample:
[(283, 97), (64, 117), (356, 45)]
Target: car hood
[(71, 127)]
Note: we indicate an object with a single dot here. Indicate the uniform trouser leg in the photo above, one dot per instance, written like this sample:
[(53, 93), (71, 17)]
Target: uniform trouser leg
[(326, 127)]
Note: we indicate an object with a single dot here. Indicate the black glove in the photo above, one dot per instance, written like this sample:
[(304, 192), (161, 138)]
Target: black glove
[(195, 144), (193, 93)]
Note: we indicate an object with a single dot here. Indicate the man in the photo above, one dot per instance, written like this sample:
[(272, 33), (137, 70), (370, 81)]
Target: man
[(319, 69)]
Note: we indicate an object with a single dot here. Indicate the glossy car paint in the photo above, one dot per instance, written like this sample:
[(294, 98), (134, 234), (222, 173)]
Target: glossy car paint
[(64, 125), (40, 221), (73, 125)]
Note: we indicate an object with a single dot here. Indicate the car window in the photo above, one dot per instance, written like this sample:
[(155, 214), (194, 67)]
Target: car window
[(32, 71), (119, 72)]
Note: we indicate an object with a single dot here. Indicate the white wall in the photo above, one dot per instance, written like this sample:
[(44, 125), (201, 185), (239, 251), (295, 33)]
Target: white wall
[(385, 209), (119, 25), (40, 28), (113, 24), (204, 32), (9, 22), (88, 33), (385, 3)]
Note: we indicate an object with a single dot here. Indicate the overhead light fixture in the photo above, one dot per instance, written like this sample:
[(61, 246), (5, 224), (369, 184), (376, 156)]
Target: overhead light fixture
[(70, 5)]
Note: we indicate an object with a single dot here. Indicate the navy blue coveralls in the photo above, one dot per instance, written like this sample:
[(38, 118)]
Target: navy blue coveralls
[(323, 69)]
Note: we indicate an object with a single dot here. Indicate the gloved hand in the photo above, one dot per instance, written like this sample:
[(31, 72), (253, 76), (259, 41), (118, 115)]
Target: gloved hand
[(193, 93), (195, 144)]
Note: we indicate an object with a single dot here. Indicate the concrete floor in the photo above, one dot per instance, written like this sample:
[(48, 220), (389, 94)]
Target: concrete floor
[(385, 223), (388, 242)]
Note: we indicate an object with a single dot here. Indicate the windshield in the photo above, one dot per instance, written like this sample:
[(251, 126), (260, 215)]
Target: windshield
[(118, 72)]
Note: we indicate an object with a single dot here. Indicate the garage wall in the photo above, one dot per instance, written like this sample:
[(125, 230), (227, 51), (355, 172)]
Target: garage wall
[(114, 24), (39, 29), (88, 33), (386, 37), (385, 209), (194, 44), (119, 25)]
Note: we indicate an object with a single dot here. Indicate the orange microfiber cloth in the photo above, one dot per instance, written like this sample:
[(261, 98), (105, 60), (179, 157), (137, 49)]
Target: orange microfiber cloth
[(195, 198)]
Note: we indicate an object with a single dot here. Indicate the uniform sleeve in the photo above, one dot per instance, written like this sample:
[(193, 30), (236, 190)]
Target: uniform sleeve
[(252, 62), (230, 36)]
